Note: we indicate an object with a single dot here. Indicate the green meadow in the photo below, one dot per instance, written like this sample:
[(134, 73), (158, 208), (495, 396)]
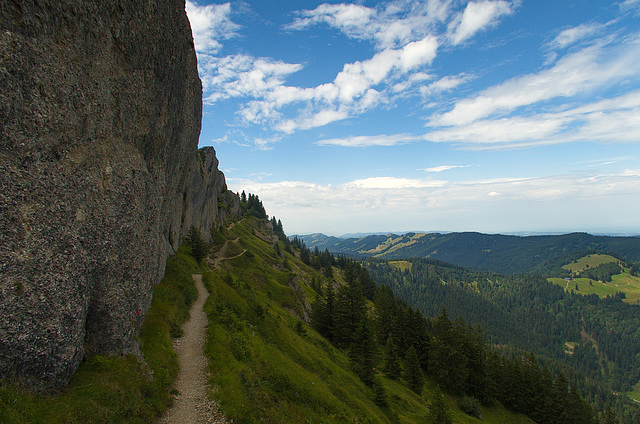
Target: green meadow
[(621, 283)]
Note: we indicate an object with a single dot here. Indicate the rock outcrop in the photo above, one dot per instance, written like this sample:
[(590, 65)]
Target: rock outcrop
[(100, 113)]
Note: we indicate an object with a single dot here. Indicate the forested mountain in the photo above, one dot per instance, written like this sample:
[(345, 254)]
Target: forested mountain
[(595, 341), (298, 335), (498, 253)]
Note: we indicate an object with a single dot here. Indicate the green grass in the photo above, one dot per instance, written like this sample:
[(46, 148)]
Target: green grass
[(263, 370), (401, 265), (625, 283), (635, 393), (119, 389), (589, 261)]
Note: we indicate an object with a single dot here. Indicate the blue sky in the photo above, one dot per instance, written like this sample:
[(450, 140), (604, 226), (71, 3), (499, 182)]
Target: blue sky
[(492, 116)]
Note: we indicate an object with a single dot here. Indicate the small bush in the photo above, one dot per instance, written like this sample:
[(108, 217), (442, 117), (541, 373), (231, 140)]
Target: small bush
[(471, 406)]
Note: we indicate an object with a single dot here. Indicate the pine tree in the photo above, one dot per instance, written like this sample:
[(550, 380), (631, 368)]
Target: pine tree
[(362, 353), (322, 314), (199, 246), (412, 372), (608, 417), (385, 312), (379, 394), (391, 365), (348, 312), (447, 359), (439, 412)]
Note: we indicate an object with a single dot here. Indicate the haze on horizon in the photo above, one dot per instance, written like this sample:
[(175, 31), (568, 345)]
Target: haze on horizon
[(439, 115)]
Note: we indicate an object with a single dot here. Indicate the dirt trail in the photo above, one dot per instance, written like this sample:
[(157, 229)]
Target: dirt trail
[(193, 405), (221, 255)]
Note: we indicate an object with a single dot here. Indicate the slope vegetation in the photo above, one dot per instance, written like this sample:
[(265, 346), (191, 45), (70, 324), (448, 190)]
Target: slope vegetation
[(497, 253), (268, 364)]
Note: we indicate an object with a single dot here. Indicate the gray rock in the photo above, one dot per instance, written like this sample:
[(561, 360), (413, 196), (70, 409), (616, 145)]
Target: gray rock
[(100, 176)]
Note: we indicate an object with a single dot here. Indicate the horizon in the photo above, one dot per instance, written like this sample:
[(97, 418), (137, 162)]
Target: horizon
[(492, 116), (616, 233)]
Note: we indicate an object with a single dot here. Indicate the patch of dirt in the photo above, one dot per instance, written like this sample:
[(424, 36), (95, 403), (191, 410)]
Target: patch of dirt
[(193, 405)]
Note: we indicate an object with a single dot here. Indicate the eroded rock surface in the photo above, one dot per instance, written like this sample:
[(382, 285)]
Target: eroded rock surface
[(100, 112)]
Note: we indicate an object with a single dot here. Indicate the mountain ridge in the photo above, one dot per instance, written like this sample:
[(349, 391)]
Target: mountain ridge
[(494, 252)]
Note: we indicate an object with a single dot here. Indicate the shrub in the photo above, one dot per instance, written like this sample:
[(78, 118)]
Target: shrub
[(471, 406)]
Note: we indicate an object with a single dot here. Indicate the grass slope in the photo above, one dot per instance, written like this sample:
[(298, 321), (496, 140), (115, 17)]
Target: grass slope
[(268, 365), (621, 283), (115, 389)]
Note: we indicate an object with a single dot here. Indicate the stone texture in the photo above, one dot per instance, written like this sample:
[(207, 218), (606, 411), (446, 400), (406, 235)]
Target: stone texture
[(100, 112)]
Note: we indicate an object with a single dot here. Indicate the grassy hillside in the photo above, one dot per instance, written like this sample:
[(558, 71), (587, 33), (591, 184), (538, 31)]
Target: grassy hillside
[(268, 365), (589, 261), (115, 389), (623, 282)]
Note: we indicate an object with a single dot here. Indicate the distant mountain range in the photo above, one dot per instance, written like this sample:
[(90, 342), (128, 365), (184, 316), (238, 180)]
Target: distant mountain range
[(506, 254)]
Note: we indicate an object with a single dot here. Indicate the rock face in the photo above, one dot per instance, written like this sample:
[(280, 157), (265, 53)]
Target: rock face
[(100, 112)]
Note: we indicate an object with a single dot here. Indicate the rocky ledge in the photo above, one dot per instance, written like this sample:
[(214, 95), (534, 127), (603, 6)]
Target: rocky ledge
[(100, 176)]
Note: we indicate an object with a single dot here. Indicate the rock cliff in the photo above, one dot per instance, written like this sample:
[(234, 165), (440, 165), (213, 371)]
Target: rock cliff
[(100, 176)]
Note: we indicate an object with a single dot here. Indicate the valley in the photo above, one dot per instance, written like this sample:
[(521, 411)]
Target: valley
[(299, 334)]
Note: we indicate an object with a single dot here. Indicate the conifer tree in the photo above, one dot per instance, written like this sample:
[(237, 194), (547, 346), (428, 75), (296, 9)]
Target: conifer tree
[(391, 365), (362, 353), (385, 313), (412, 372), (199, 246), (379, 394), (348, 312), (322, 314), (439, 412), (608, 417)]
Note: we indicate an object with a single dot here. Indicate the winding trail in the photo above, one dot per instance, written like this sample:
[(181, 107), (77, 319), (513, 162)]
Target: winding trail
[(215, 262), (193, 405)]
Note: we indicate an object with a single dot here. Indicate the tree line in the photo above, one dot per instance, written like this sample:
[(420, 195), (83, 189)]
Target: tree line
[(534, 315), (380, 332)]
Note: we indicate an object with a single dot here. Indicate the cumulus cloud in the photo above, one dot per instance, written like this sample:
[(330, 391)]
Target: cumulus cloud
[(503, 130), (352, 92), (372, 203), (476, 17), (209, 25), (403, 32), (390, 25)]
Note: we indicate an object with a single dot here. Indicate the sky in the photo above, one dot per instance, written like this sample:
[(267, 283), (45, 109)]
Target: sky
[(439, 115)]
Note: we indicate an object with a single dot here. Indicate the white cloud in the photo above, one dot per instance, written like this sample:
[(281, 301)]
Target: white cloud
[(586, 70), (446, 83), (351, 93), (442, 168), (388, 183), (476, 17), (242, 76), (209, 24), (504, 130), (506, 204), (367, 141), (395, 24), (570, 36), (351, 18), (631, 5), (613, 120)]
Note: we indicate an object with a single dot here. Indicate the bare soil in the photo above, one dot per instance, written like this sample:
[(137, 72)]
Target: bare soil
[(193, 404)]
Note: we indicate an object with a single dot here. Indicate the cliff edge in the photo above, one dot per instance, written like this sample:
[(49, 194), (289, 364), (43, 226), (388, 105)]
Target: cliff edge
[(100, 176)]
